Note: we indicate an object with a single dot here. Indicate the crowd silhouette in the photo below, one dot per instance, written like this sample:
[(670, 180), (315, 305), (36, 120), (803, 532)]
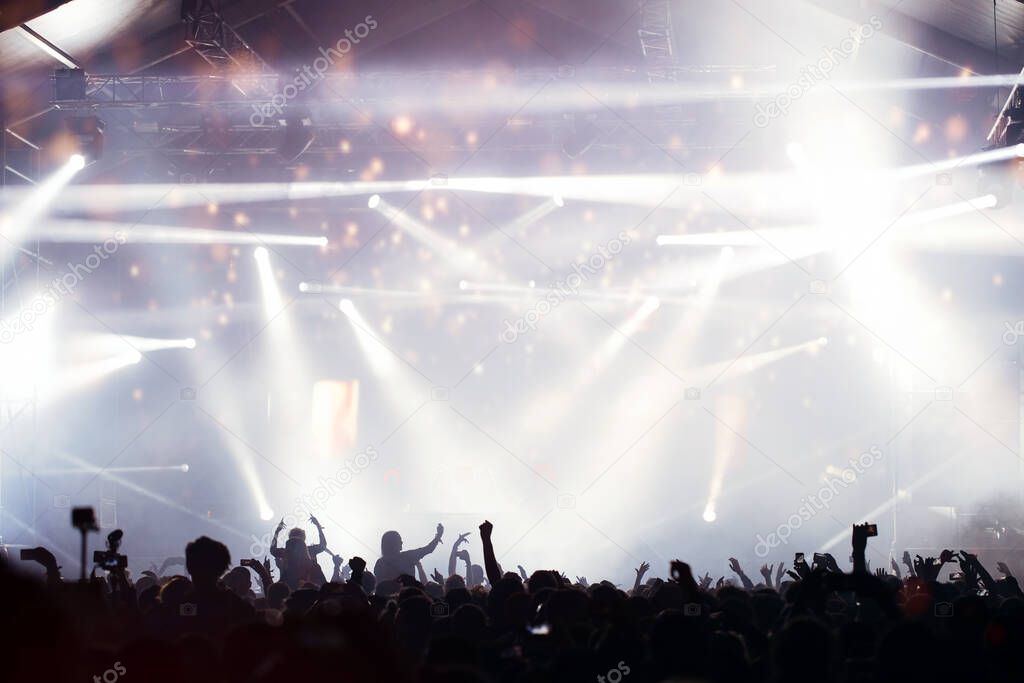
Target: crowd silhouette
[(281, 619)]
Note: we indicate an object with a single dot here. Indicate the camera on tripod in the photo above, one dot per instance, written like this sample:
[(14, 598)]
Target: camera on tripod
[(110, 560)]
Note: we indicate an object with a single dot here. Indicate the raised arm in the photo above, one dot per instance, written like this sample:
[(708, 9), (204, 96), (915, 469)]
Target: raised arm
[(640, 571), (274, 550), (418, 554), (336, 576), (321, 545), (734, 565), (261, 571), (454, 556), (490, 561)]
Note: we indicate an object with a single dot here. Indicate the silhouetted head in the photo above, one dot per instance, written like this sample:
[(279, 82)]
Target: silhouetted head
[(295, 549), (390, 544), (298, 533), (239, 580), (206, 560)]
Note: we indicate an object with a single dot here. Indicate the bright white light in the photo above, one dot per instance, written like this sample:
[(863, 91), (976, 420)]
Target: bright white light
[(273, 303), (266, 514), (559, 202), (709, 514), (380, 358), (94, 346), (17, 224), (184, 468), (83, 231), (462, 260), (823, 341)]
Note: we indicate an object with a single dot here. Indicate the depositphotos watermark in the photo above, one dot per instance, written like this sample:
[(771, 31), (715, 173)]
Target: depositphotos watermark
[(58, 288), (565, 288), (318, 497), (312, 73), (814, 504), (817, 72)]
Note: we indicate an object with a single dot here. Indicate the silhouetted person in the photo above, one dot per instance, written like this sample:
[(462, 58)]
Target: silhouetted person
[(395, 562)]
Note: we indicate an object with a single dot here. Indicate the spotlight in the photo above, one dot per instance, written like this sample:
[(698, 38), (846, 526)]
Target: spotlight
[(347, 307), (557, 199), (266, 514), (76, 162), (184, 468), (260, 253), (69, 85), (709, 514), (190, 343), (823, 341), (374, 201)]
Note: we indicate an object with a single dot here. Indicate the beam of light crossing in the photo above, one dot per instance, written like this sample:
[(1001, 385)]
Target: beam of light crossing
[(18, 223), (463, 261), (94, 232), (142, 490)]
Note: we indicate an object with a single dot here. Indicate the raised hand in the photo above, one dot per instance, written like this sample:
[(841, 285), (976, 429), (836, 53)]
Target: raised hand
[(463, 538), (439, 532), (705, 581), (908, 563), (720, 582), (522, 572), (734, 565), (896, 568), (463, 555), (778, 573), (337, 560), (1003, 568), (766, 572), (642, 569), (357, 564), (485, 530), (314, 522), (582, 580), (880, 573), (927, 569), (436, 576), (280, 525)]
